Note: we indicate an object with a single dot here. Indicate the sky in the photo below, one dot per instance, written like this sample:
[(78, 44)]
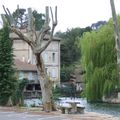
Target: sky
[(71, 13)]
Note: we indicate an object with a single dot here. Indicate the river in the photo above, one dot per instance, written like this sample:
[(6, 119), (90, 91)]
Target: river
[(104, 108)]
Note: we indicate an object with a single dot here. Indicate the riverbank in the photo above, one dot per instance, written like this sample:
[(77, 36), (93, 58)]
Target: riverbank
[(38, 111)]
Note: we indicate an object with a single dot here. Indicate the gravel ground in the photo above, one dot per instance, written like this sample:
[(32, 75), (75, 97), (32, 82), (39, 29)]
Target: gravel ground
[(56, 115)]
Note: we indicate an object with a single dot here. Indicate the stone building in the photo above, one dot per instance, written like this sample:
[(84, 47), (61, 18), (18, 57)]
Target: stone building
[(28, 72), (51, 55)]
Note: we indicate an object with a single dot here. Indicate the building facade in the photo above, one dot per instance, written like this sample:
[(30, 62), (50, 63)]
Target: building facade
[(51, 55), (28, 72)]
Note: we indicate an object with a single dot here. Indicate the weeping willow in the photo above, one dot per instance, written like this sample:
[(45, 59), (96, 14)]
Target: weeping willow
[(100, 62)]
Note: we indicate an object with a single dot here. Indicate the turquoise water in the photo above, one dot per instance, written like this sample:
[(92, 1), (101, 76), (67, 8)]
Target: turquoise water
[(104, 108)]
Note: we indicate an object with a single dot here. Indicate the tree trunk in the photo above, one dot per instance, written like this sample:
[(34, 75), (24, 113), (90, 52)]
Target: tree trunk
[(35, 40), (117, 35), (9, 103), (45, 83)]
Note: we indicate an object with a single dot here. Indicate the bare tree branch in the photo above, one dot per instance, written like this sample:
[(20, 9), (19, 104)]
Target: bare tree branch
[(37, 49), (31, 25), (16, 20), (23, 37), (33, 29), (54, 23), (6, 15), (56, 15), (9, 16), (52, 15), (44, 30), (12, 20), (47, 20), (36, 43), (30, 19), (45, 27)]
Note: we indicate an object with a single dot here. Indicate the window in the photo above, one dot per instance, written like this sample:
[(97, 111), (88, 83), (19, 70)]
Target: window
[(53, 57), (53, 73), (21, 75), (46, 70), (29, 87), (30, 76), (35, 76), (46, 57)]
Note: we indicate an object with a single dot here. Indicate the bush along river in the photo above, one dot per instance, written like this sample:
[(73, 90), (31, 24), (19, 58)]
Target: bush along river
[(103, 108)]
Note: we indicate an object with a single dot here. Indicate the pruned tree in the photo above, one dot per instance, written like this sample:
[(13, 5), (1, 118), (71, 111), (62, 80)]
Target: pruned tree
[(34, 39), (117, 34)]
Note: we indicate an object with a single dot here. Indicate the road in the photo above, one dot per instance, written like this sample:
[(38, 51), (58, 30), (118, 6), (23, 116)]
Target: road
[(26, 116)]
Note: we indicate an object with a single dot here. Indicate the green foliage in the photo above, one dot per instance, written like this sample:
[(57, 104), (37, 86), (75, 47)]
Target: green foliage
[(99, 61), (21, 19), (7, 79), (39, 20), (64, 90), (66, 72), (17, 96), (56, 92), (69, 50), (68, 90)]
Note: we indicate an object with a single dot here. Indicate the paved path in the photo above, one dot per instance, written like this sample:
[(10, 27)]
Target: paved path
[(6, 114), (26, 116)]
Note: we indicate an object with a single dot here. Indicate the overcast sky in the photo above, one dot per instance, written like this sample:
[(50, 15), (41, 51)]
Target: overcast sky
[(71, 13)]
